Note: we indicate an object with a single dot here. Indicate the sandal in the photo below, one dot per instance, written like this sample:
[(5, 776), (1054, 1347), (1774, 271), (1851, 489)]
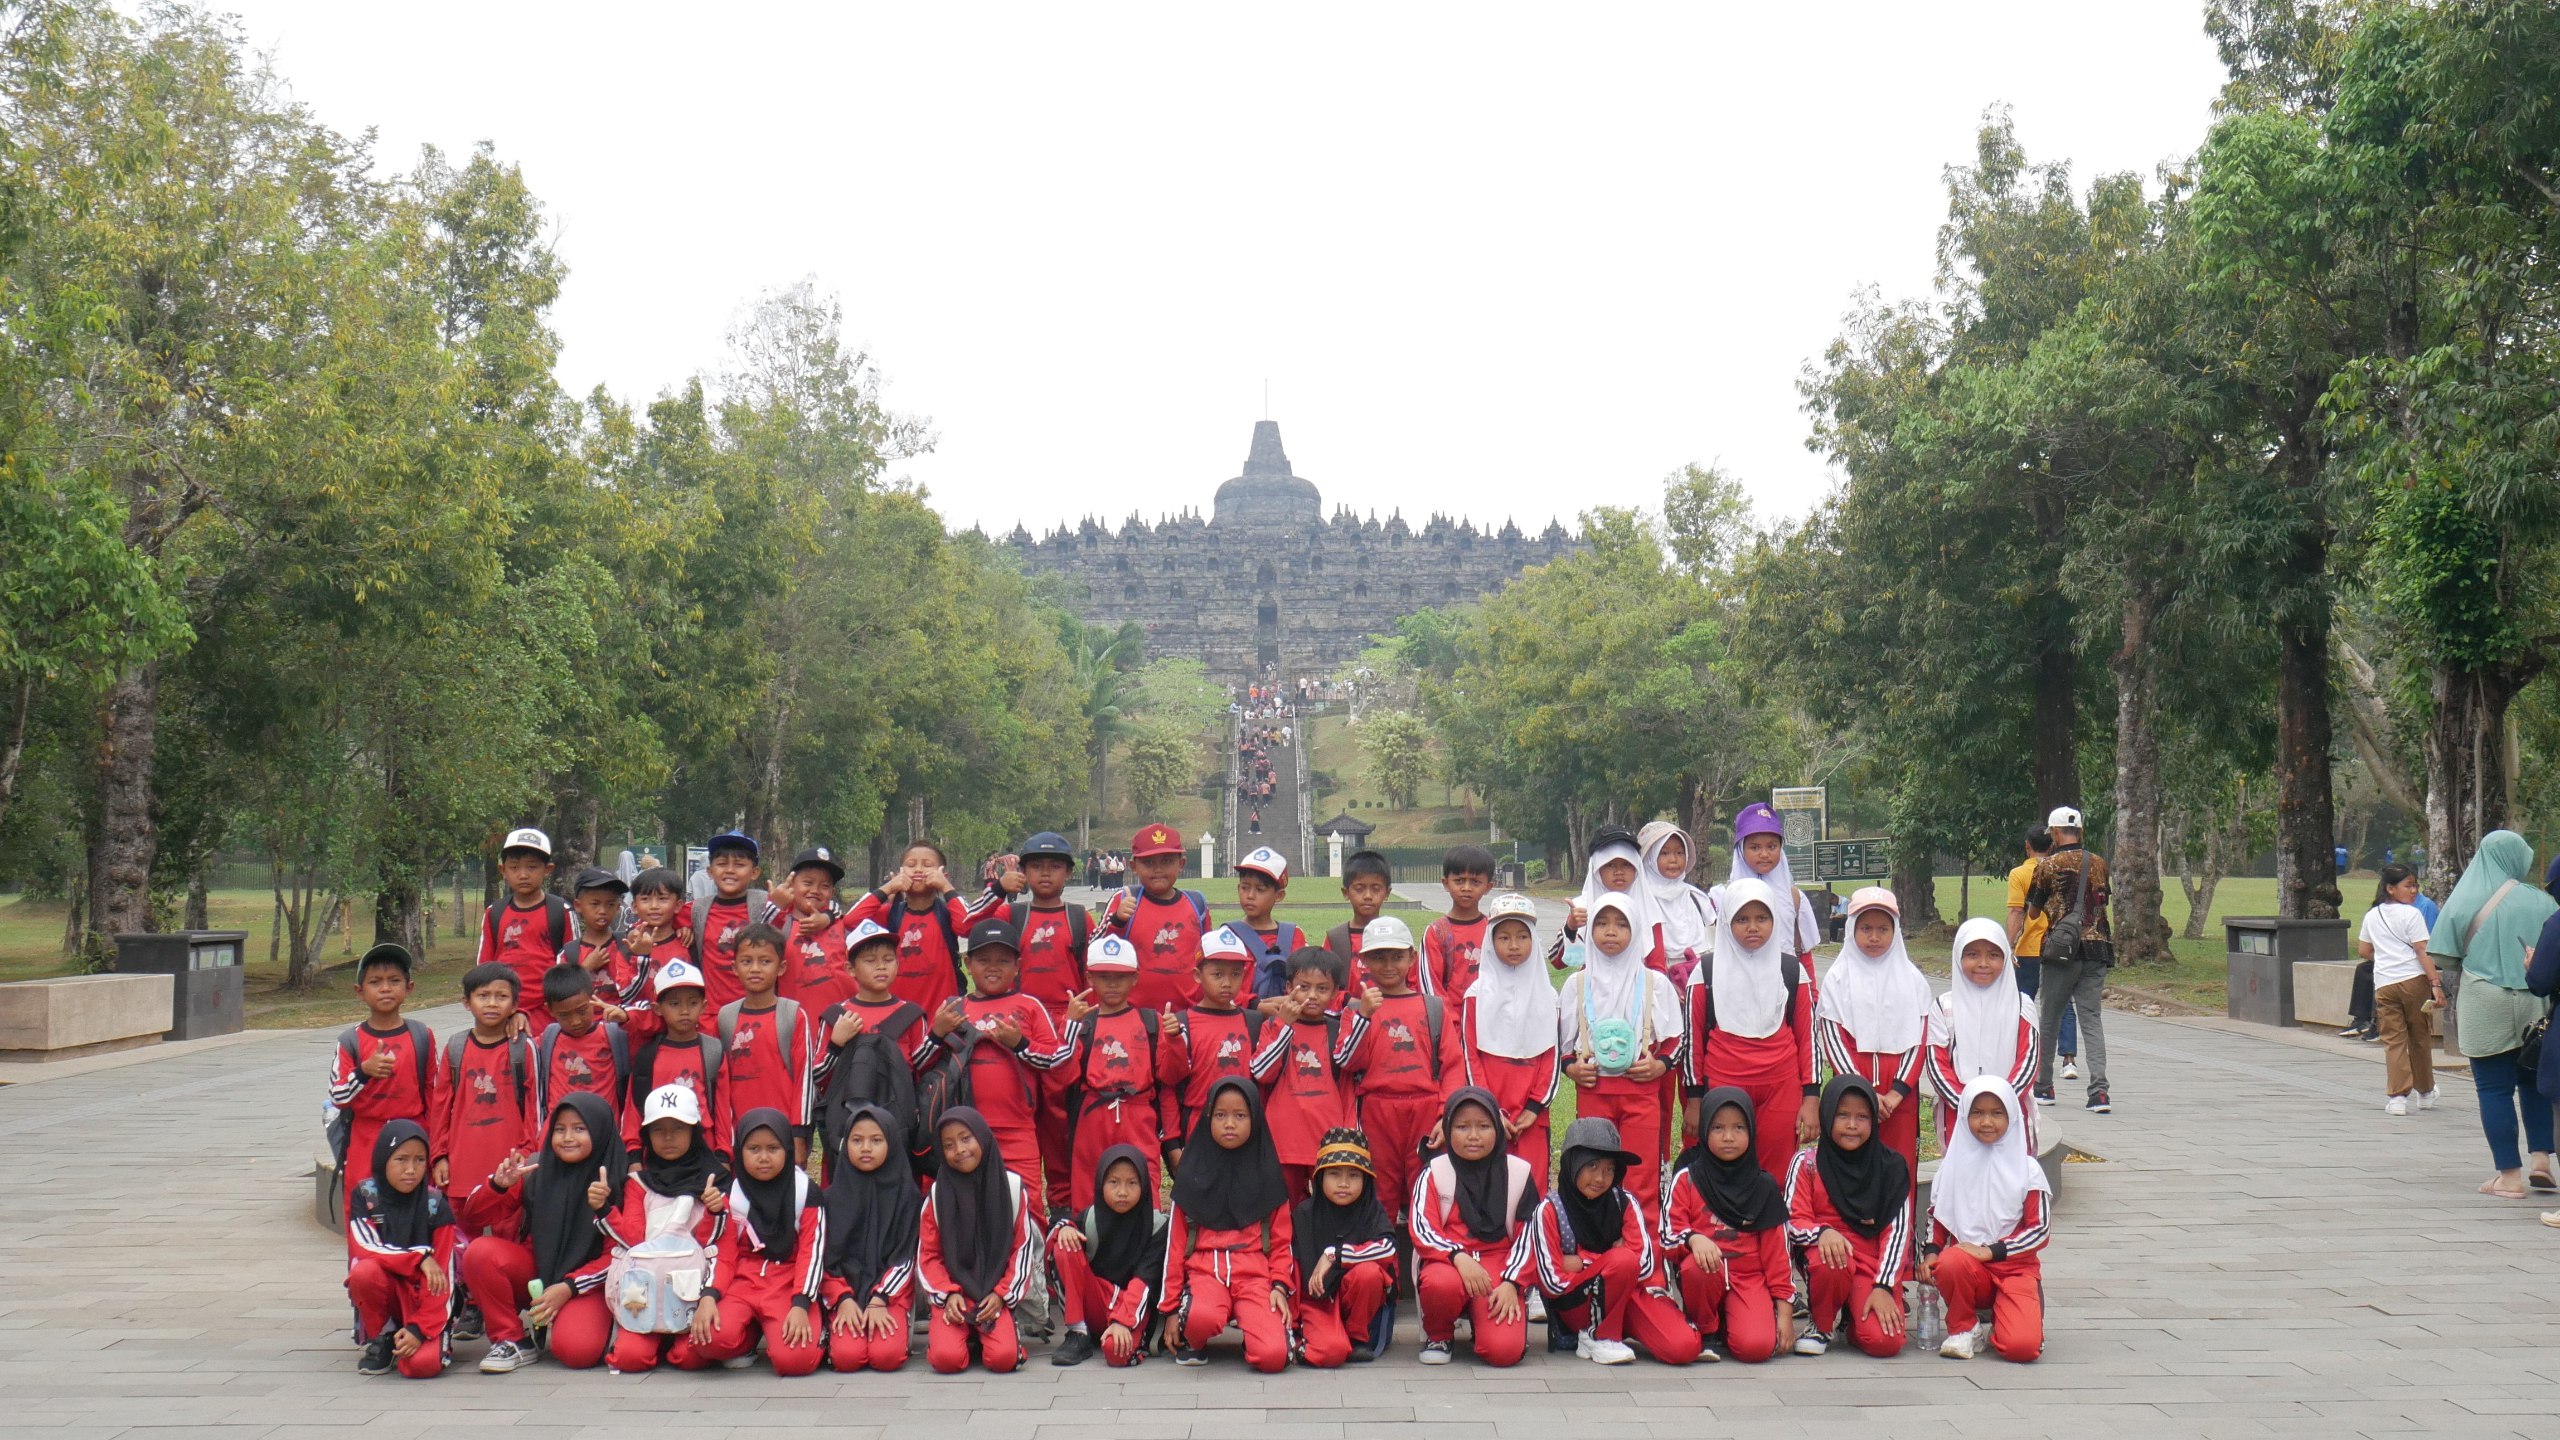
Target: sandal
[(2491, 1187)]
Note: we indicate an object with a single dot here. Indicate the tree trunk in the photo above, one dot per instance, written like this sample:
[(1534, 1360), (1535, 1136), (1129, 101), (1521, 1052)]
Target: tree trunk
[(2466, 764), (579, 814), (199, 898), (2141, 931), (126, 840), (2306, 816), (397, 914), (16, 748), (461, 910), (1915, 888), (2369, 723), (2055, 759)]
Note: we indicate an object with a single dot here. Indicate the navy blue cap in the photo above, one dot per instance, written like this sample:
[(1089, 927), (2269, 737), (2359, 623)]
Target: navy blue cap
[(734, 840), (1048, 842)]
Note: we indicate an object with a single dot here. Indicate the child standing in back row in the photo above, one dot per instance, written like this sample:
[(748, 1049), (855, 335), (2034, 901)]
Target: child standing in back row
[(1161, 921), (1453, 945), (1751, 1023), (1262, 882), (1301, 1065), (1620, 1024), (768, 1044), (1873, 1019), (1404, 1063), (1367, 884), (1506, 1030), (527, 930), (1121, 1097), (714, 925)]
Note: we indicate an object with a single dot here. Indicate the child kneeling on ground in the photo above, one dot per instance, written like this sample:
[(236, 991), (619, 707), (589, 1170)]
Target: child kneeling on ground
[(871, 1243), (540, 1240), (1725, 1223), (1849, 1206), (975, 1249), (1988, 1212), (1346, 1253), (665, 1229), (1596, 1259), (1471, 1237), (401, 1234), (768, 1276), (1227, 1253), (1109, 1260)]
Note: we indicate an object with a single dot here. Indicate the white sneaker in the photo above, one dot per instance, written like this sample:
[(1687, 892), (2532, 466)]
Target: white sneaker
[(1435, 1352), (507, 1357), (1612, 1352), (2426, 1099), (1582, 1345), (2396, 1105), (1811, 1343), (1963, 1345), (1537, 1307), (2070, 1068)]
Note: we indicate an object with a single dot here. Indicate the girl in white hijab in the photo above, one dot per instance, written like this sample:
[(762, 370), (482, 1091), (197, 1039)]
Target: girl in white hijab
[(1684, 914), (1989, 1211), (1618, 1029), (1507, 1027), (1760, 853), (1616, 869), (1983, 1025), (1751, 1023), (1873, 1021)]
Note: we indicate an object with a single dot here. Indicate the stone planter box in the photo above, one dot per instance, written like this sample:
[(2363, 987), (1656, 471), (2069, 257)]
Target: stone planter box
[(75, 1015)]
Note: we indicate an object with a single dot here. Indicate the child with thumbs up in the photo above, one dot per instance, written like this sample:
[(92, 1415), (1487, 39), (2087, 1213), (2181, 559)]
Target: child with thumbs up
[(1301, 1065), (1116, 1058)]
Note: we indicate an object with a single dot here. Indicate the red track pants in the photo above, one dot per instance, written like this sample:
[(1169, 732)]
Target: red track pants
[(1734, 1300), (1628, 1311), (1329, 1329), (497, 1272), (1444, 1298), (384, 1300), (2013, 1288)]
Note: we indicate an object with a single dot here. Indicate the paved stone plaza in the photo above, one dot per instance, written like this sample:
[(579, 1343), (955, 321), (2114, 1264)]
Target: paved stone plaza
[(2263, 1252)]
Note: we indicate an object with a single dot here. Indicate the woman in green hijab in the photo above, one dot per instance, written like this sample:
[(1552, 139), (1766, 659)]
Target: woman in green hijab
[(2487, 929)]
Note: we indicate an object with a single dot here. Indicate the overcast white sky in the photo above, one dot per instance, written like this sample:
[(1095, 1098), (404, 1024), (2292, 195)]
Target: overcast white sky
[(1491, 260)]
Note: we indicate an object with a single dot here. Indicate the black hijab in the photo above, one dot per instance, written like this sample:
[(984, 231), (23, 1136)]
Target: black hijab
[(1221, 1189), (1484, 1186), (1120, 1248), (558, 1222), (686, 1174), (405, 1222), (1738, 1192), (773, 1206), (975, 1212), (1321, 1225), (1595, 1225), (871, 1214), (1867, 1185)]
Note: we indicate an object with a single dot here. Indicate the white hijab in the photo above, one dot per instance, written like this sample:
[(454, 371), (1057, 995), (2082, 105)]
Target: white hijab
[(1683, 910), (1632, 899), (1981, 1190), (1781, 880), (1883, 1002), (1515, 1006), (1619, 987), (1750, 985), (1982, 1020)]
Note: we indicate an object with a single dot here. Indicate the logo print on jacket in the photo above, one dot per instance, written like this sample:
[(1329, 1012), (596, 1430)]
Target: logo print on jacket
[(1230, 1048), (1168, 939), (1114, 1054), (1048, 931)]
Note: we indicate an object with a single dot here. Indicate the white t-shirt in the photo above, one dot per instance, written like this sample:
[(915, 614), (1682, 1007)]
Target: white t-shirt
[(2395, 932)]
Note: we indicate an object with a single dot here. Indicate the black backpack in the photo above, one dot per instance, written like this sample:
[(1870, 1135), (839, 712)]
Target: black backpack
[(2067, 938), (342, 1123), (942, 1088), (870, 1069)]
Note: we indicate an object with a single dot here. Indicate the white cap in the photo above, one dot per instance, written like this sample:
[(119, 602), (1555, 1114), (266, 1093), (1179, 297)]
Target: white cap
[(672, 1102), (675, 975), (1510, 905), (2063, 818), (863, 934), (1269, 862), (527, 838), (1224, 944), (1111, 955), (1386, 933)]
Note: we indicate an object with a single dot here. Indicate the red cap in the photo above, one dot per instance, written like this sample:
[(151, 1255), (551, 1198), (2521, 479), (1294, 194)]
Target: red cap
[(1155, 840)]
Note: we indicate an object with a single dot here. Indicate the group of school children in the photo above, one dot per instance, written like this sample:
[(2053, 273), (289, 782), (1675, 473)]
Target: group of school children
[(770, 1119)]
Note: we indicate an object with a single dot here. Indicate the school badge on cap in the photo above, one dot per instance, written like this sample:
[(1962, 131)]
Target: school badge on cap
[(864, 933), (675, 975), (1267, 861), (1111, 955), (1223, 944), (1155, 840)]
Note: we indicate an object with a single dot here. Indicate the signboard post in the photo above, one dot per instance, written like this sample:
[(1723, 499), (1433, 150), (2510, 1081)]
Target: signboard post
[(1805, 811), (1867, 859)]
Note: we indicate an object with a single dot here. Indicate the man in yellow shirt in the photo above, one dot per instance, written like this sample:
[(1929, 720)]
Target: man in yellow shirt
[(2026, 938)]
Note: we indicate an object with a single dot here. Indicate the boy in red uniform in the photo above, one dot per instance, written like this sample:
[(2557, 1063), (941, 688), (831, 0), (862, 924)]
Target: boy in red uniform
[(595, 901), (1014, 1045), (382, 1069), (1407, 1060), (657, 935), (1262, 882), (919, 907), (813, 971), (1054, 936), (715, 924), (1214, 1040), (680, 1054), (852, 1032), (1120, 1096), (1453, 945), (486, 1109), (528, 929), (1367, 884), (1161, 920), (1300, 1067), (582, 1051), (768, 1044)]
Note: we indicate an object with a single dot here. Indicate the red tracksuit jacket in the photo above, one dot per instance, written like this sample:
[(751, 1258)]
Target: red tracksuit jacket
[(814, 971), (482, 1116), (524, 941), (1399, 1053), (928, 966), (1520, 1083), (1880, 1260), (744, 1275), (1764, 1252), (917, 1040), (1633, 1233), (1439, 1231), (762, 1066), (1167, 934), (718, 944), (566, 1063), (934, 1273), (680, 1062), (627, 1223), (488, 1210), (1452, 952), (371, 1101), (1113, 1059), (1052, 967), (1216, 1044), (1003, 1084), (1300, 1070)]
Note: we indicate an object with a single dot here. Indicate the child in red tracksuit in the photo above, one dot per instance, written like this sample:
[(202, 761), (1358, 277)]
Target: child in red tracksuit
[(629, 971), (1121, 1095), (400, 1236), (1227, 1254), (1109, 1259), (1751, 1023), (680, 1054), (1620, 1024), (1162, 921), (486, 1109), (1216, 1039), (1983, 1025), (768, 1277), (975, 1250), (768, 1044), (1405, 1061), (870, 1259), (1472, 1242), (1301, 1065), (1596, 1260), (528, 929), (595, 900), (814, 973), (1506, 1031), (1262, 882), (1725, 1224), (1453, 945), (582, 1052), (712, 927), (1345, 1247), (1873, 1019), (1849, 1207), (677, 1195), (539, 1238), (918, 907), (1011, 1046), (382, 1070), (1054, 936), (1987, 1219), (874, 1017)]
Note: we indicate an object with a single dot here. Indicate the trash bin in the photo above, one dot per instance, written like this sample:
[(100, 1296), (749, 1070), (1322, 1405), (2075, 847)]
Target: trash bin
[(1510, 875), (2261, 951), (207, 967)]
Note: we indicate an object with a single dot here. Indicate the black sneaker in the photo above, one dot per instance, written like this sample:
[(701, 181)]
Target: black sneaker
[(1076, 1349), (2044, 1094), (2098, 1103), (1184, 1355), (468, 1326), (376, 1359), (1560, 1339)]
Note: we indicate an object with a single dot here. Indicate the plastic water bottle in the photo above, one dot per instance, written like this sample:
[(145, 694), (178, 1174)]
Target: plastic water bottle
[(1930, 1324)]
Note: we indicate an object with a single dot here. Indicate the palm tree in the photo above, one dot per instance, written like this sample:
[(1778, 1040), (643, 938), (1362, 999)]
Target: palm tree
[(1106, 671)]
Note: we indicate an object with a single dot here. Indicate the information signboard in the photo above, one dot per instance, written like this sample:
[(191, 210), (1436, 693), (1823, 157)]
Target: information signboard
[(1867, 859), (1805, 811)]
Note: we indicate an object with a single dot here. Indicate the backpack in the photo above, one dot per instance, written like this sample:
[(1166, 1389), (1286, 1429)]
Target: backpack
[(655, 1285), (549, 1045), (1268, 963), (698, 915), (942, 1088), (519, 1061), (1079, 932), (898, 912), (2066, 939), (786, 1013), (1444, 1184), (645, 1065), (555, 919), (341, 1123), (870, 1070)]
